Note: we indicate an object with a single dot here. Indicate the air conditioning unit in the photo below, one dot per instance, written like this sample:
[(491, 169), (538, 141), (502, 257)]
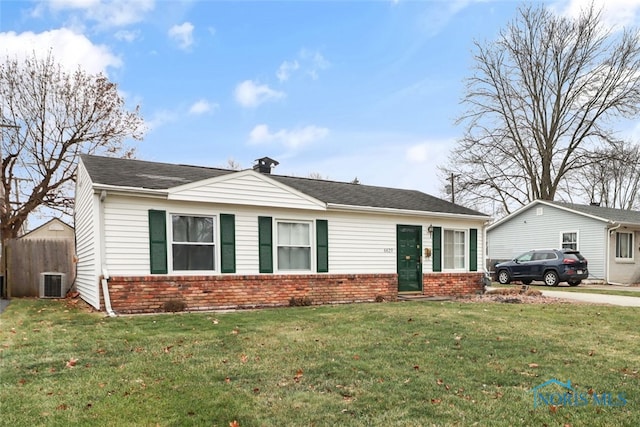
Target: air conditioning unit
[(53, 285)]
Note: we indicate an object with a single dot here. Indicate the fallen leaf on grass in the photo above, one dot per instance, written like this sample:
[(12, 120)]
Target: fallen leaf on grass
[(298, 375), (436, 401), (243, 358), (592, 352), (167, 349), (553, 409), (72, 362), (533, 365), (234, 423), (62, 407), (236, 331)]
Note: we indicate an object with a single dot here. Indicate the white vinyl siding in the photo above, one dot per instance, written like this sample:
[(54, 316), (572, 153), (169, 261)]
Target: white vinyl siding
[(245, 188), (87, 233)]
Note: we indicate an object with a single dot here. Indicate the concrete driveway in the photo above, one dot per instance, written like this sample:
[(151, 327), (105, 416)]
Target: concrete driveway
[(595, 298)]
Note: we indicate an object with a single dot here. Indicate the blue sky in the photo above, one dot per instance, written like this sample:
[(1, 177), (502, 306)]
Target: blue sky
[(344, 89)]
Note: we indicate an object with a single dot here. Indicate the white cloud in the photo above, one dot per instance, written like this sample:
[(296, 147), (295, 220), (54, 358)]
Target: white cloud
[(250, 94), (295, 138), (316, 62), (182, 34), (616, 13), (285, 70), (202, 106), (160, 118), (309, 62), (67, 47), (127, 35), (105, 13)]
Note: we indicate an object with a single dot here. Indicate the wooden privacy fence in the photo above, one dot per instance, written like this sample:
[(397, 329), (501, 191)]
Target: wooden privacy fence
[(27, 259)]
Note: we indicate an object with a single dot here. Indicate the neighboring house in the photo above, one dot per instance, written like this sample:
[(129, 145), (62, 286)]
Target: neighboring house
[(148, 234), (52, 229), (38, 258), (607, 237)]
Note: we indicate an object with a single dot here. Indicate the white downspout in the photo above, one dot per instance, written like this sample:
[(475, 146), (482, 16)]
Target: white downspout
[(103, 263), (608, 261)]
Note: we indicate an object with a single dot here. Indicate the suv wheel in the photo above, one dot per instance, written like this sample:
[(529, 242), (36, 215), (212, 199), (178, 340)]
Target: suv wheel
[(551, 278), (503, 277), (575, 282)]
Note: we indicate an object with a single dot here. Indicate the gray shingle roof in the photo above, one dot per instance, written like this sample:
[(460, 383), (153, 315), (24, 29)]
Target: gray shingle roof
[(616, 215), (160, 176)]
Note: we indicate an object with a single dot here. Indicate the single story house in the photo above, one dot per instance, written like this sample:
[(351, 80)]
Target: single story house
[(607, 237), (149, 234)]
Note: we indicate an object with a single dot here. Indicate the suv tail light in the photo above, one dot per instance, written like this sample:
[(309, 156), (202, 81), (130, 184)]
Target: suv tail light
[(569, 261)]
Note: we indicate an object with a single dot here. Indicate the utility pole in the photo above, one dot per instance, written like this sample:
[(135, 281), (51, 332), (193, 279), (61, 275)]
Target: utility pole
[(453, 191)]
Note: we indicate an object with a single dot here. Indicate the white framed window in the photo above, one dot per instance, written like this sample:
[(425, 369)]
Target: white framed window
[(192, 243), (569, 240), (293, 245), (454, 249), (624, 245)]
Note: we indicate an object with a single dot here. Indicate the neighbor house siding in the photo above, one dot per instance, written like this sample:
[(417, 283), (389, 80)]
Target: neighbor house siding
[(87, 239), (540, 226), (624, 271)]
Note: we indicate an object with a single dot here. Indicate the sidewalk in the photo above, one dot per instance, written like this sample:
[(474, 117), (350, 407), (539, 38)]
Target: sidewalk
[(595, 298)]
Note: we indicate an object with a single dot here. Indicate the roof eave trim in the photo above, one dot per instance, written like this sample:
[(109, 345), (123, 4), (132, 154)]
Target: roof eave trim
[(130, 190), (394, 211)]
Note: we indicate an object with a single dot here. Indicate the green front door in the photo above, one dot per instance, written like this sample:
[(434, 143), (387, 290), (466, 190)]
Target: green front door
[(409, 259)]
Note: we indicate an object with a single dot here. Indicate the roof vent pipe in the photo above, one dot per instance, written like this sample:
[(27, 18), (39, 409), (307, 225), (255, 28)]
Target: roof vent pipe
[(264, 165)]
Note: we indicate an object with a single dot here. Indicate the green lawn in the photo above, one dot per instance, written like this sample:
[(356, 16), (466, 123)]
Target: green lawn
[(404, 364)]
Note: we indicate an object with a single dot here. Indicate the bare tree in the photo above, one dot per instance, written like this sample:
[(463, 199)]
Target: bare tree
[(543, 96), (613, 179), (54, 115), (232, 164)]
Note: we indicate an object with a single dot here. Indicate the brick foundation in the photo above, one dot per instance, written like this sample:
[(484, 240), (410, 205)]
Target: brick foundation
[(149, 294), (452, 284)]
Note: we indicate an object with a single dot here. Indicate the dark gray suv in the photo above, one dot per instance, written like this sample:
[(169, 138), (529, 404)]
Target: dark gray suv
[(551, 266)]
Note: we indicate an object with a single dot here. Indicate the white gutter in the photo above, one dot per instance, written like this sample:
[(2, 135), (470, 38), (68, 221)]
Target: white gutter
[(608, 251), (393, 211), (114, 189), (103, 263)]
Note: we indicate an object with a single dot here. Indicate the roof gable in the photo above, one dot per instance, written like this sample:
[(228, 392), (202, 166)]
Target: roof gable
[(604, 214), (245, 188), (139, 174)]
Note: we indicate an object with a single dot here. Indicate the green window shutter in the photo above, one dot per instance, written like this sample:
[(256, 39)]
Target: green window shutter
[(265, 238), (158, 241), (322, 246), (473, 249), (227, 243), (437, 248)]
